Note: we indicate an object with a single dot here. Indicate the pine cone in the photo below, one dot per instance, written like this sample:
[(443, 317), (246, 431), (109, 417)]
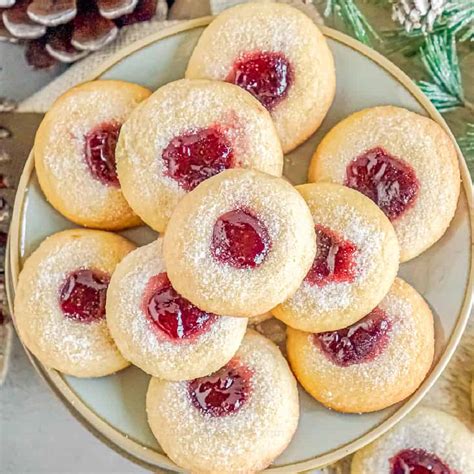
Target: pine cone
[(67, 30), (417, 14)]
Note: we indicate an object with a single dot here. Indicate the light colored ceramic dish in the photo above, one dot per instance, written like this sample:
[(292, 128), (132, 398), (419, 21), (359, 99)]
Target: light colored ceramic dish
[(113, 407)]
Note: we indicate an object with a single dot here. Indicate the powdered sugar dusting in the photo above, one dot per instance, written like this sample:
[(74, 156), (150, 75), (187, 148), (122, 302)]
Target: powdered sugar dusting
[(143, 346), (60, 342), (419, 141), (427, 429), (244, 441), (282, 33), (393, 364), (289, 228), (273, 27), (353, 226), (183, 107), (61, 148)]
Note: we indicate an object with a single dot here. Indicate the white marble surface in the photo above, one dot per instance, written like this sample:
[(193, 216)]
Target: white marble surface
[(38, 435)]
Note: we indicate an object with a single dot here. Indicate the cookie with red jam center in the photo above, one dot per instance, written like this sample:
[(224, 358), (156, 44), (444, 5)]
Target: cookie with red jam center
[(187, 132), (404, 162), (249, 407), (372, 363), (159, 330), (61, 299), (279, 56), (75, 149), (240, 243), (427, 441), (356, 261)]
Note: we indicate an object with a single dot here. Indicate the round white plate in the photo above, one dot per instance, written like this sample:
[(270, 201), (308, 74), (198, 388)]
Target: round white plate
[(113, 407)]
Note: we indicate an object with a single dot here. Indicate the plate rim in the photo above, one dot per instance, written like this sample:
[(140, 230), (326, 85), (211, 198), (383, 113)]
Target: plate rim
[(133, 450)]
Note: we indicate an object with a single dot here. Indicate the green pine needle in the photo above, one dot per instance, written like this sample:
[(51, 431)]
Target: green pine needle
[(459, 19), (406, 42), (353, 19), (440, 59), (443, 101), (466, 142)]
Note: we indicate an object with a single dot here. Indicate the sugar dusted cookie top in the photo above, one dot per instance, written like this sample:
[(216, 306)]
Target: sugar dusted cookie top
[(278, 55)]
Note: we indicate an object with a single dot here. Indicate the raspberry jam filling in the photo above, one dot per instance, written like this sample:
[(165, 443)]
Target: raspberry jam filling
[(82, 295), (266, 75), (334, 261), (418, 461), (99, 152), (170, 313), (240, 239), (356, 344), (222, 393), (195, 156), (388, 181)]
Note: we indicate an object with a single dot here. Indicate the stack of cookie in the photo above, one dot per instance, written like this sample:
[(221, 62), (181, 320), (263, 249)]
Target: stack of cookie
[(201, 162)]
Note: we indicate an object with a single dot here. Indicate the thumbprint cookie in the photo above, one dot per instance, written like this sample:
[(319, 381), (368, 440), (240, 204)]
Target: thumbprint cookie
[(277, 54), (75, 153), (427, 441), (376, 362), (238, 419), (60, 302), (404, 162), (356, 261), (240, 243), (157, 329), (186, 132)]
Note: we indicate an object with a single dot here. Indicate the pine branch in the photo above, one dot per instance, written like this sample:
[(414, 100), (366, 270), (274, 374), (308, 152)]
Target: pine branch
[(442, 100), (459, 19), (466, 142), (440, 59), (400, 40), (354, 20)]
